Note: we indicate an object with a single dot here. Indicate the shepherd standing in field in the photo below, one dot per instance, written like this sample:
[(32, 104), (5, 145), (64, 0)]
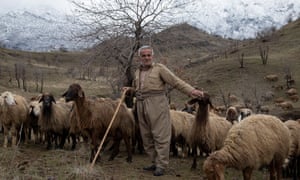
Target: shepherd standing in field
[(153, 113)]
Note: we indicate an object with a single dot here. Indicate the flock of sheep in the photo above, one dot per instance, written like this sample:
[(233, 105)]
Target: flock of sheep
[(241, 140)]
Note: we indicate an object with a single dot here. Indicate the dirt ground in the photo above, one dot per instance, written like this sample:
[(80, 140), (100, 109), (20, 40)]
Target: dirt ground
[(33, 162)]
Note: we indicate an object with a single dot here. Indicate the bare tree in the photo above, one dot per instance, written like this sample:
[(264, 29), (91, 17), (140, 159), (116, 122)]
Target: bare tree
[(38, 78), (288, 77), (24, 78), (134, 20), (264, 52), (241, 60), (20, 74)]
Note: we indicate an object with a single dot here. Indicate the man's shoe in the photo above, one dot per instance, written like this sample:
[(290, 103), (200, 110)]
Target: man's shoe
[(149, 168), (158, 172)]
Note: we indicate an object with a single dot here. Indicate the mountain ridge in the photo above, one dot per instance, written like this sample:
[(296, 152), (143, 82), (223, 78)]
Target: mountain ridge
[(47, 29)]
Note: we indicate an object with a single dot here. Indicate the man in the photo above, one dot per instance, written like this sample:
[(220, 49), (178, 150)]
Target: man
[(152, 107)]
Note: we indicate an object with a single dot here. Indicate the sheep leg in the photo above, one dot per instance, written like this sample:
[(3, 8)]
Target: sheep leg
[(5, 131), (94, 149), (24, 134), (116, 150), (74, 141), (173, 147), (128, 147), (49, 139), (272, 170), (116, 145), (247, 172), (63, 139), (278, 168), (94, 145), (138, 140), (194, 153), (13, 136)]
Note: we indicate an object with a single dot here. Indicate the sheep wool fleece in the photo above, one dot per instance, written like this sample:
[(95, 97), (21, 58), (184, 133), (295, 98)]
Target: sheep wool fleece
[(153, 111)]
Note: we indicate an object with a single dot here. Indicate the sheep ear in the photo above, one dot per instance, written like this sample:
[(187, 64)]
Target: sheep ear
[(41, 99), (53, 100), (80, 93), (192, 101), (210, 104), (64, 94)]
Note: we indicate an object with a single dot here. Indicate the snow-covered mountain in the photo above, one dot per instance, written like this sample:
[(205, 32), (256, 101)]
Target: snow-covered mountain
[(240, 19), (48, 29), (45, 30)]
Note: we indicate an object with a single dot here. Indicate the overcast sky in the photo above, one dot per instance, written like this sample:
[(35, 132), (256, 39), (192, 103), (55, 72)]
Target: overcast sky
[(8, 5)]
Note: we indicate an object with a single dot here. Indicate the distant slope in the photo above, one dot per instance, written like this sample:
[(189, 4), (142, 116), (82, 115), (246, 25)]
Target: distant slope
[(184, 36), (222, 75)]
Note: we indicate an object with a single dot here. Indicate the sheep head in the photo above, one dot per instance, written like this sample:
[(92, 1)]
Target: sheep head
[(232, 114), (9, 98), (47, 100), (34, 108), (190, 108), (74, 91), (203, 108), (203, 102), (213, 169)]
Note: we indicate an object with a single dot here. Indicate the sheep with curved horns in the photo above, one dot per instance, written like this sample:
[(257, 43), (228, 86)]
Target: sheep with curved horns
[(209, 130), (13, 115), (256, 141), (55, 120), (94, 119)]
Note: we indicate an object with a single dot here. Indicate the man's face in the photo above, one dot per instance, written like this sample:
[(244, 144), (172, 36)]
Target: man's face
[(146, 57)]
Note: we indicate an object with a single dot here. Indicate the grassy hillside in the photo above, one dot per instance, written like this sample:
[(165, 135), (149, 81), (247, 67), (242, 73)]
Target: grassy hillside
[(57, 70), (205, 61), (223, 75)]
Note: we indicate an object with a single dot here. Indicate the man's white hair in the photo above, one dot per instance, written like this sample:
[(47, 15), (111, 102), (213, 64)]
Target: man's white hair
[(145, 47)]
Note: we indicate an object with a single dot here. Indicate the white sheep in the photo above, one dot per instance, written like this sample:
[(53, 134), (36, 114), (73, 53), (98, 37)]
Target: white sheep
[(181, 126), (263, 109), (285, 105), (294, 98), (95, 116), (13, 115), (291, 91), (256, 141), (294, 127), (209, 130), (271, 77), (34, 113)]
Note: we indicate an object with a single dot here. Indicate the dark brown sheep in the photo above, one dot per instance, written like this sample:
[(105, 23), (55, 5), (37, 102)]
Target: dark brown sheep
[(209, 130), (95, 116)]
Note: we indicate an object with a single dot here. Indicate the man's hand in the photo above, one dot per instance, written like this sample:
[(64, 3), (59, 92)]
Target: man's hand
[(197, 93)]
